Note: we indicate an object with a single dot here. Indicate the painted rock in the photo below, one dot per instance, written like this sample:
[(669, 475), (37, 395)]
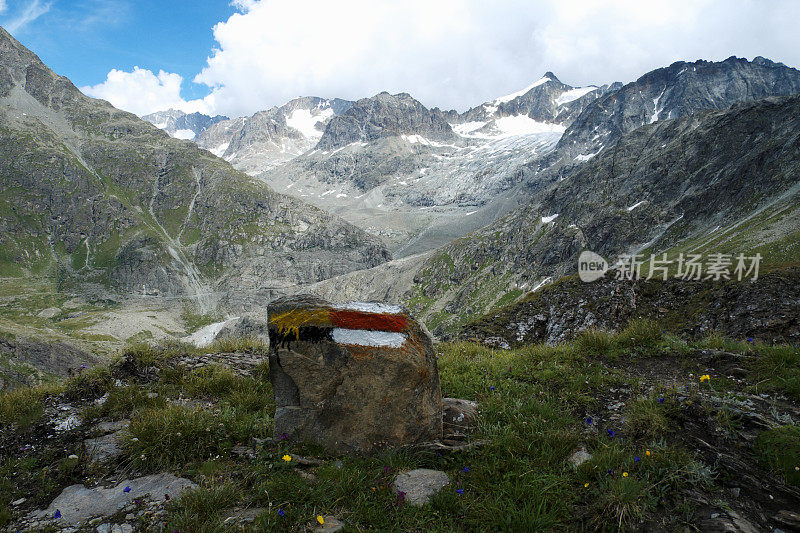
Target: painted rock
[(352, 377)]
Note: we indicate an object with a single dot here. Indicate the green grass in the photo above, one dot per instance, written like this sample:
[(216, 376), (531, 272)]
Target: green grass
[(194, 319), (778, 368), (779, 450), (534, 402), (25, 406)]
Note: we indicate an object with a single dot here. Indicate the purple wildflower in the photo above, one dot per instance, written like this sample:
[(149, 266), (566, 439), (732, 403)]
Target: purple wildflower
[(460, 491), (126, 489), (637, 459), (281, 512), (57, 514), (611, 432), (589, 420)]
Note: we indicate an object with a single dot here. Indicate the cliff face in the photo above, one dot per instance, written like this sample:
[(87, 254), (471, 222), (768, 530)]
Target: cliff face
[(767, 309), (109, 201)]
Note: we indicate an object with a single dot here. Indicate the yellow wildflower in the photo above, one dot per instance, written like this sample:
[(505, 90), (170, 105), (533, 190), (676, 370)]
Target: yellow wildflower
[(647, 453), (705, 377), (287, 458), (586, 485), (320, 520), (624, 474)]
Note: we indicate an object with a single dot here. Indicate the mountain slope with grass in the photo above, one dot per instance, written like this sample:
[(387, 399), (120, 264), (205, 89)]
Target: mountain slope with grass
[(104, 201), (633, 431), (714, 182)]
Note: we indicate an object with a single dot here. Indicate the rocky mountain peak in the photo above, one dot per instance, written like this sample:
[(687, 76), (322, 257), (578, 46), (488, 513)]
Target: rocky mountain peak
[(385, 115)]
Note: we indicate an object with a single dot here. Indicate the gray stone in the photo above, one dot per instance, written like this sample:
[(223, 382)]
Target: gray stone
[(77, 503), (458, 416), (50, 312), (347, 388), (579, 457), (245, 327), (106, 447), (420, 484)]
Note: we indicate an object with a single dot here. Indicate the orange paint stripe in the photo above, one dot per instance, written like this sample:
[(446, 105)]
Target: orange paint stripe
[(347, 319)]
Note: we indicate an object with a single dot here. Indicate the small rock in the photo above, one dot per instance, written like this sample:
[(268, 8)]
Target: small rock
[(458, 416), (17, 503), (103, 528), (244, 451), (497, 342), (72, 457), (579, 457), (308, 476), (420, 484), (50, 312), (111, 427)]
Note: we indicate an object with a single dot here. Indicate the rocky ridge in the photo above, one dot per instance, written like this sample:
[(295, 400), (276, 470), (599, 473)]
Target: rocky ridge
[(182, 125)]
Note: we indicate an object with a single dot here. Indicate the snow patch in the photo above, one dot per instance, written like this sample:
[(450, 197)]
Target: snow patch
[(574, 94), (525, 125), (586, 157), (656, 110), (206, 335), (547, 220), (509, 97), (634, 206), (305, 122), (186, 135), (467, 127), (363, 337), (219, 150)]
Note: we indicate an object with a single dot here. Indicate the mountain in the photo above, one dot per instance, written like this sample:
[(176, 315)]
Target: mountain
[(545, 100), (111, 204), (665, 93), (270, 138), (182, 125), (710, 182), (420, 177)]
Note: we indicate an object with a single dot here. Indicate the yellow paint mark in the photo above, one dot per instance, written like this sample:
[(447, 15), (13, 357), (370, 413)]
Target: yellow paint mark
[(292, 321)]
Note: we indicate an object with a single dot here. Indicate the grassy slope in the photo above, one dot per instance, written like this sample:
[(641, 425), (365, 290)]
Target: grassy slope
[(536, 404)]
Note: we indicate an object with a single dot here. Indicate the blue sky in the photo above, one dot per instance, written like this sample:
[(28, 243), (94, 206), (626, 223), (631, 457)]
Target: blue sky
[(85, 39), (236, 57)]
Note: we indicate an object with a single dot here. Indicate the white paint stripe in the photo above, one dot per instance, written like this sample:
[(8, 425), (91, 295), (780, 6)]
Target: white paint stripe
[(370, 307), (363, 337)]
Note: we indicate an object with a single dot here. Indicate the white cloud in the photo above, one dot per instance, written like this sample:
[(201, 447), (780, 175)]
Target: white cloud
[(2, 5), (32, 11), (143, 92), (459, 53)]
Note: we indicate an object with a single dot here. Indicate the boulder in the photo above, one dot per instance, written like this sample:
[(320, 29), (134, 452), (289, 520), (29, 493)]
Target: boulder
[(354, 377), (77, 503)]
